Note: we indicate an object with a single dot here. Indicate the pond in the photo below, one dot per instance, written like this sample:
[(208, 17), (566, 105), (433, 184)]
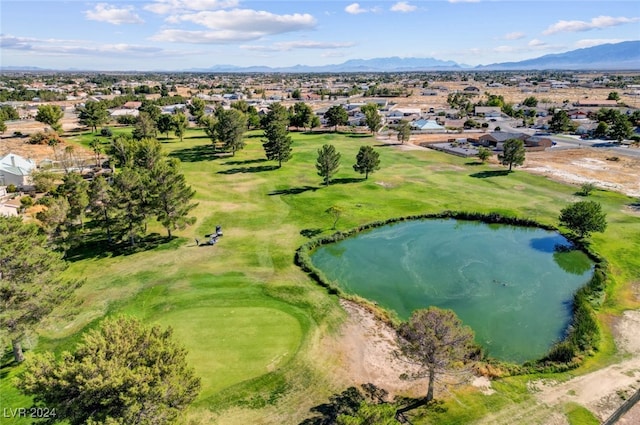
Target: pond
[(512, 285)]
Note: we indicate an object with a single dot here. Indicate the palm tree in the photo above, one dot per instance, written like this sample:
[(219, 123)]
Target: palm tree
[(96, 146)]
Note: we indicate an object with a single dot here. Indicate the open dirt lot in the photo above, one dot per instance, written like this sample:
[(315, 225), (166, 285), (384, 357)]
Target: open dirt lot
[(606, 169), (19, 145)]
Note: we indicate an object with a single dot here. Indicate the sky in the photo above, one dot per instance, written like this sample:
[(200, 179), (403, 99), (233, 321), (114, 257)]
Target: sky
[(190, 34)]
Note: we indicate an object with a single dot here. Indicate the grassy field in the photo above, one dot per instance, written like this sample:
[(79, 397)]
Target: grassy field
[(249, 318)]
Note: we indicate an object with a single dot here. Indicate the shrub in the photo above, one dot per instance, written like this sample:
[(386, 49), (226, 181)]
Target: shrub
[(12, 188), (562, 352), (47, 201), (587, 188), (45, 138), (106, 132), (26, 202)]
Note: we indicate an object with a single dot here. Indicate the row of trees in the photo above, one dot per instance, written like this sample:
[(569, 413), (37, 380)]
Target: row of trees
[(148, 184), (328, 162), (277, 146)]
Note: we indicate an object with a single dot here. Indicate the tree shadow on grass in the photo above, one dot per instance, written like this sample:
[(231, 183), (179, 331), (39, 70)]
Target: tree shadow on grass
[(249, 169), (357, 135), (198, 153), (7, 361), (293, 190), (387, 145), (248, 161), (97, 246), (199, 136), (346, 180), (310, 233), (474, 163), (488, 174)]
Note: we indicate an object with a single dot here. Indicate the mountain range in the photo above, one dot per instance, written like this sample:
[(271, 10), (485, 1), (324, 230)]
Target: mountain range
[(607, 57), (610, 57)]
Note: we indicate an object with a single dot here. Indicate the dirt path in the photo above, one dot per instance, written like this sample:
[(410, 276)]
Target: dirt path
[(604, 390)]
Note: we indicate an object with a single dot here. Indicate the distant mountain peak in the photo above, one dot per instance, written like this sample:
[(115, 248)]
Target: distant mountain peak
[(616, 56)]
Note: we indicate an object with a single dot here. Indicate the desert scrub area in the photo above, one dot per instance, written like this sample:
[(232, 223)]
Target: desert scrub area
[(266, 340)]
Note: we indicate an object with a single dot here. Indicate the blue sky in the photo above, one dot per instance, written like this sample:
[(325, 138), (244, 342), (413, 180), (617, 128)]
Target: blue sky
[(183, 34)]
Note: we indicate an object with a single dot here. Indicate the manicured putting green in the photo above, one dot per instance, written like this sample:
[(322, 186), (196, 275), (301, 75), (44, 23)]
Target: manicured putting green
[(228, 345)]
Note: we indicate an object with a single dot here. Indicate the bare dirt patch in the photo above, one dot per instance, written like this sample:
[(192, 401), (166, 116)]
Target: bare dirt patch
[(19, 145), (578, 166), (365, 351)]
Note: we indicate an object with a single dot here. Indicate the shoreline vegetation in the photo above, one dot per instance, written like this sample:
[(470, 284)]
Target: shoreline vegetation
[(582, 335)]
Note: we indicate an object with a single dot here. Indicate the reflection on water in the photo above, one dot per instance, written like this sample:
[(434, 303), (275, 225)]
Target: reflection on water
[(573, 261), (512, 285)]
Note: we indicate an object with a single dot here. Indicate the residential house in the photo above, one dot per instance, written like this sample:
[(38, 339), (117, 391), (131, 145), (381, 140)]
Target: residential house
[(119, 112), (578, 115), (15, 170), (496, 140), (426, 125), (132, 105)]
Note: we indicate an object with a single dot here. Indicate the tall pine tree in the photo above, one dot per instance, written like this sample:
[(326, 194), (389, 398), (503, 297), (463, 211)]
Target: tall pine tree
[(328, 162), (277, 145), (172, 199)]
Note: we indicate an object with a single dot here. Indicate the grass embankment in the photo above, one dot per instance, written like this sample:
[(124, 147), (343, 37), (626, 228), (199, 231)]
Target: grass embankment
[(249, 317)]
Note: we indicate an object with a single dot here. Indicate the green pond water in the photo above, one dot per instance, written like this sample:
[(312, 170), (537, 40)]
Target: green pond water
[(511, 285)]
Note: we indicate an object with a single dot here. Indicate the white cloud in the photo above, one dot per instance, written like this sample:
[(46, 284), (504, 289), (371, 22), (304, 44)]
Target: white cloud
[(205, 37), (163, 7), (514, 36), (291, 45), (403, 6), (595, 23), (77, 47), (113, 15), (252, 21), (355, 9), (532, 46), (596, 42), (536, 43)]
